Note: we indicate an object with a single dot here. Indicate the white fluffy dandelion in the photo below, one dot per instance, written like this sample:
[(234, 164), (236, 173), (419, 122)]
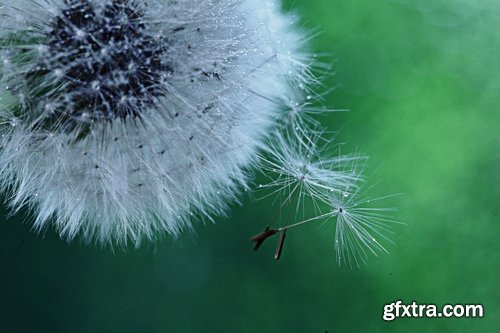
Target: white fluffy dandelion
[(126, 119)]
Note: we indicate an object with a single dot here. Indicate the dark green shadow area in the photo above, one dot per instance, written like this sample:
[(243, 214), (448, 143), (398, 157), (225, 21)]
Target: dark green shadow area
[(423, 86)]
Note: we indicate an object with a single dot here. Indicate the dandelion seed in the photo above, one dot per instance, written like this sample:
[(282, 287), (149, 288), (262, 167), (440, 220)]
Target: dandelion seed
[(281, 242), (261, 237), (360, 229)]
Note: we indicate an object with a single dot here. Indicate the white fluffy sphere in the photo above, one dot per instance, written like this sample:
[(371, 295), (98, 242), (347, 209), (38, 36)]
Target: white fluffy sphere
[(124, 119)]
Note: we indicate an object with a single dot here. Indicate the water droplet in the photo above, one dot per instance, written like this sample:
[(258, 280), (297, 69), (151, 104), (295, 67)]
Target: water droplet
[(80, 33), (95, 85), (58, 73)]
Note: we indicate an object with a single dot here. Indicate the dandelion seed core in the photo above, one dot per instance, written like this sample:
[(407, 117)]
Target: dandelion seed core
[(109, 65)]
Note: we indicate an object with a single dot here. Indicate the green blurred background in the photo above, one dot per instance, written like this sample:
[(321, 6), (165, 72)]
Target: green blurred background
[(421, 79)]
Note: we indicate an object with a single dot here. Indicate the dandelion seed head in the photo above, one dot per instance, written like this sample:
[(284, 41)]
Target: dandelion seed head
[(136, 116), (122, 120)]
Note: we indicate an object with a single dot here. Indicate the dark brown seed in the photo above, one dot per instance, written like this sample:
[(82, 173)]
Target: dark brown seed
[(261, 237), (281, 241)]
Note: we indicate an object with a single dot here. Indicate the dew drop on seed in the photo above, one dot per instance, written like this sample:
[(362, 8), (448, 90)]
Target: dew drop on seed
[(80, 33), (58, 73)]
